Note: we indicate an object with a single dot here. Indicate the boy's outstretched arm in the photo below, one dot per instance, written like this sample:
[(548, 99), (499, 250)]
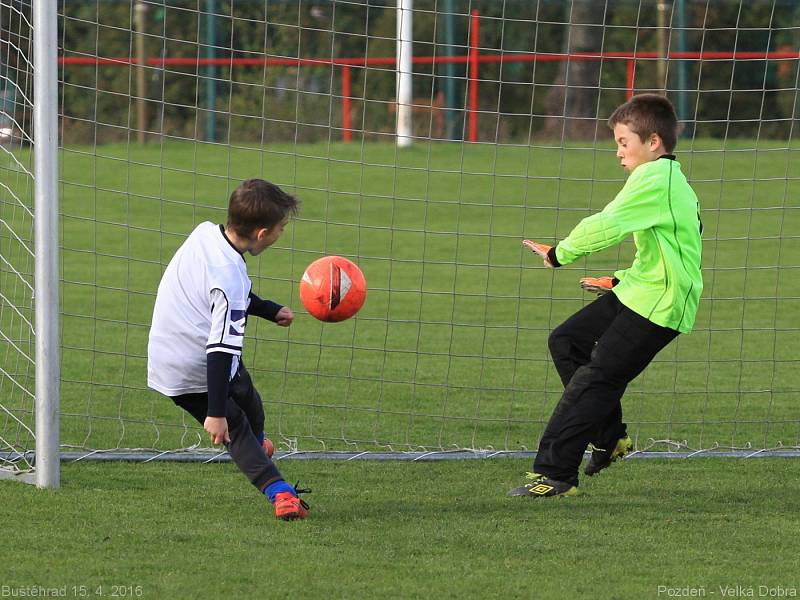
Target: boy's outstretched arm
[(595, 285), (272, 311), (598, 285), (284, 317), (637, 207), (547, 253), (266, 309)]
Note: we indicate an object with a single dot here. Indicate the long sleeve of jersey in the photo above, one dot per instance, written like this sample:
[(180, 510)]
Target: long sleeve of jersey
[(223, 349), (659, 209), (266, 309), (637, 207), (218, 372)]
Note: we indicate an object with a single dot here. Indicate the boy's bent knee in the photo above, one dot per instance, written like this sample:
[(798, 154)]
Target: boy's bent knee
[(237, 421), (559, 343)]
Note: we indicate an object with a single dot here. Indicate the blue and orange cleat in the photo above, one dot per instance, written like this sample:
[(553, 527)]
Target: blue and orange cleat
[(286, 500), (289, 507)]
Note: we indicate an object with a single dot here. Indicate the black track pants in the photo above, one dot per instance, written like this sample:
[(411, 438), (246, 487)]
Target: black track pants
[(597, 352), (245, 414)]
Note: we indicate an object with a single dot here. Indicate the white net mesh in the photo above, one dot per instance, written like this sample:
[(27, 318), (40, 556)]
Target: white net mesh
[(450, 349), (16, 239)]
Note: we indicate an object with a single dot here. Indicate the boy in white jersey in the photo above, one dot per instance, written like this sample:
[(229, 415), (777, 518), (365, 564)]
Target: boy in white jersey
[(195, 346)]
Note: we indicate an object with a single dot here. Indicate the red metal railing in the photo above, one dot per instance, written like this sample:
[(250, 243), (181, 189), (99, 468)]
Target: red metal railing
[(473, 60), (472, 78)]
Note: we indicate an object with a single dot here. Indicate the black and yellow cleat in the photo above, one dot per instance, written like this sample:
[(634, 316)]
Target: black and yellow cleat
[(542, 486), (601, 458)]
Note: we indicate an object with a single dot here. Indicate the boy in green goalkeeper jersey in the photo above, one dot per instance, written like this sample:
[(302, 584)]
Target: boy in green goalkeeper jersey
[(604, 346)]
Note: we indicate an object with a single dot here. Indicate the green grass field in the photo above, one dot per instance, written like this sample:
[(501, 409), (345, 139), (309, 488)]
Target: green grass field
[(450, 348), (408, 530), (449, 351)]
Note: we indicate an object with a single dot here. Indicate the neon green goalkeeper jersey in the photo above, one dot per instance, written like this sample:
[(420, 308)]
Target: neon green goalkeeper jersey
[(661, 210)]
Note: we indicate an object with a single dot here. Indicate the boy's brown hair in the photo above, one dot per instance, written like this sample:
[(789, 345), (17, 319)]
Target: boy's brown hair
[(647, 114), (257, 203)]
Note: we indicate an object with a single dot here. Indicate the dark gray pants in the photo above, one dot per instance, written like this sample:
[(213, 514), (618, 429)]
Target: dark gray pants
[(245, 414), (597, 352)]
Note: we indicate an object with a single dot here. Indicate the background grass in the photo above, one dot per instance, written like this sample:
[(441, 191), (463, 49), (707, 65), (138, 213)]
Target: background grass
[(450, 348), (449, 351), (408, 530)]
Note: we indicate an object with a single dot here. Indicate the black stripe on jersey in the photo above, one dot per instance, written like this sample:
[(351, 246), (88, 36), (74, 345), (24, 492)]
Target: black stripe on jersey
[(227, 312), (226, 346), (680, 250), (230, 243)]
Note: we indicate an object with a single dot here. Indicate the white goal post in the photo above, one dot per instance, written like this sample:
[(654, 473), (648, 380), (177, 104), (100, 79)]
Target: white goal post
[(46, 235), (43, 467), (405, 40)]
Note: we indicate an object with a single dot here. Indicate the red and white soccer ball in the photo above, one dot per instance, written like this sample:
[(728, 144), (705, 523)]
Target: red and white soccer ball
[(333, 289)]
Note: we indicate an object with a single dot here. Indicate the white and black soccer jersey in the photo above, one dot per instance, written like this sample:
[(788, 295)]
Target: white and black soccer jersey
[(201, 307)]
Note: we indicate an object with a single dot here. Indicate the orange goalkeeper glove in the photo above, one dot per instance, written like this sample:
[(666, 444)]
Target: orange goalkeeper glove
[(598, 285), (542, 250)]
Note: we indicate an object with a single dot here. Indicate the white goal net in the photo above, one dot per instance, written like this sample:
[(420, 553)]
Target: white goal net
[(165, 106), (17, 350)]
